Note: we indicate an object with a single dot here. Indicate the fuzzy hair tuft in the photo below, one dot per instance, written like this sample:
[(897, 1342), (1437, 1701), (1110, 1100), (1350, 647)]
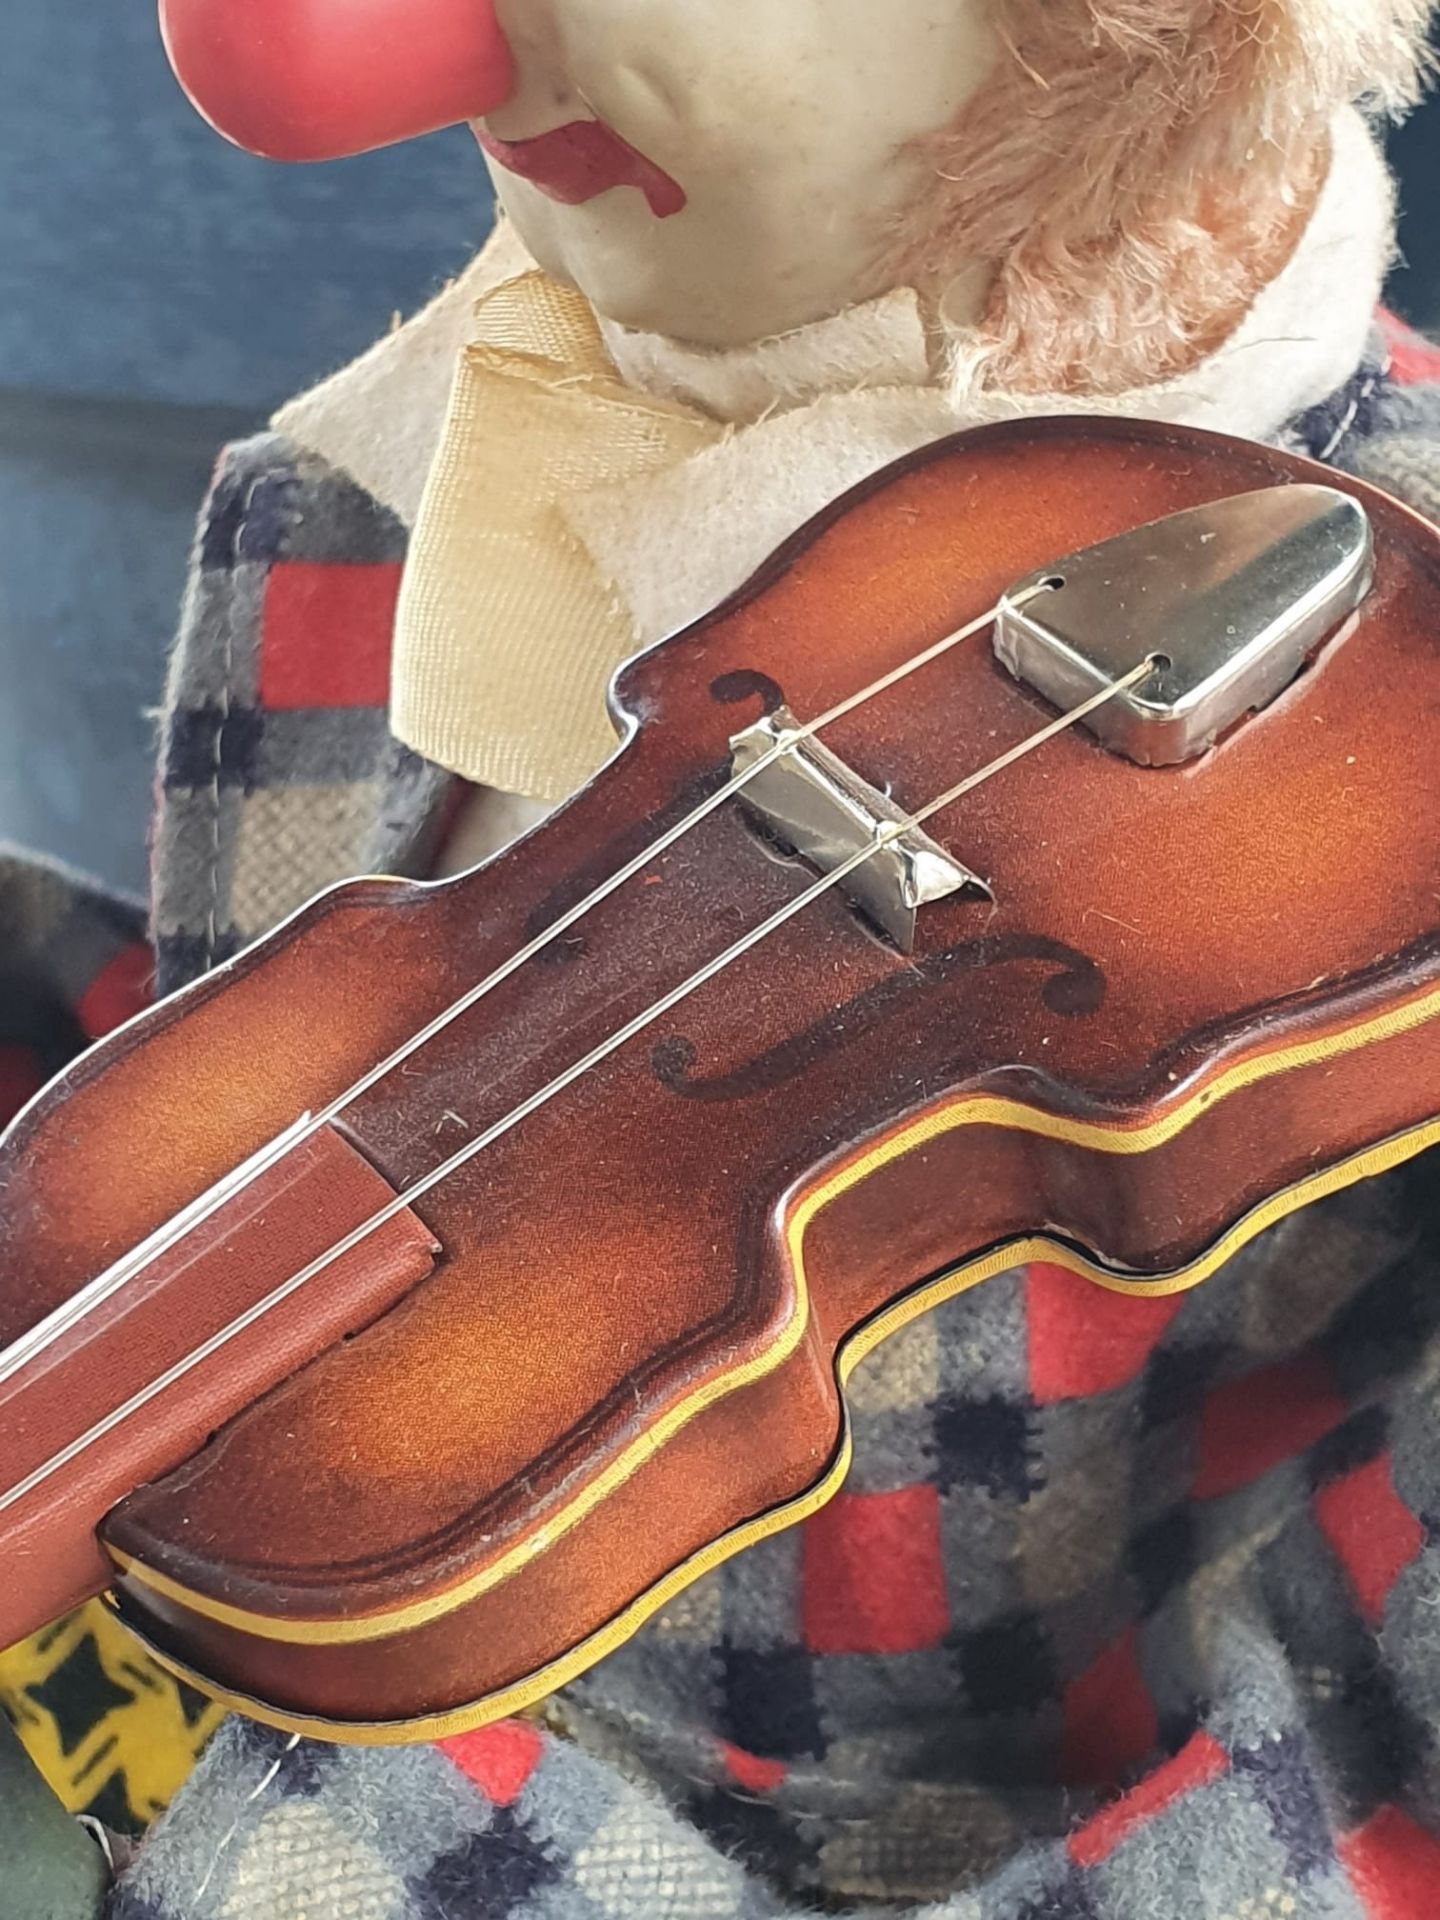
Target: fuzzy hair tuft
[(1134, 170)]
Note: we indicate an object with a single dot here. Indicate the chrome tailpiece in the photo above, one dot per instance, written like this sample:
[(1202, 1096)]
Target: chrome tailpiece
[(1231, 599)]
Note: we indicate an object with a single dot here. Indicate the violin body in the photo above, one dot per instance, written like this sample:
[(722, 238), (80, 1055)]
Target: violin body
[(610, 1350)]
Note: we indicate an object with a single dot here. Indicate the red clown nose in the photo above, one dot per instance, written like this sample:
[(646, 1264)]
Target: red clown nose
[(319, 79)]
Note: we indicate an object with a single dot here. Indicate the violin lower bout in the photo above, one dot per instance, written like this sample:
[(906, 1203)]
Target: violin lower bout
[(760, 1439)]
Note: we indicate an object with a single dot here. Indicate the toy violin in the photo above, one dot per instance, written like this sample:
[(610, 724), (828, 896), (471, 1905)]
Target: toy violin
[(1036, 859)]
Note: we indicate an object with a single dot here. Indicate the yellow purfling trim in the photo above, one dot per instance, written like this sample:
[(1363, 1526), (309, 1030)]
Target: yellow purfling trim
[(970, 1110), (559, 1673)]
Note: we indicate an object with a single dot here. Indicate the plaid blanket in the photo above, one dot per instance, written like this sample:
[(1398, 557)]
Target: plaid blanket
[(1129, 1608)]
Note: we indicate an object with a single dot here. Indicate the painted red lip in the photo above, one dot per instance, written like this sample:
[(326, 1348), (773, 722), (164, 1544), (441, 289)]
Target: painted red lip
[(577, 162)]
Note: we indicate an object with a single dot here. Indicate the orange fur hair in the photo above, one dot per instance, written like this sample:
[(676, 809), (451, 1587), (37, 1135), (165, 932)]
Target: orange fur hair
[(1133, 171)]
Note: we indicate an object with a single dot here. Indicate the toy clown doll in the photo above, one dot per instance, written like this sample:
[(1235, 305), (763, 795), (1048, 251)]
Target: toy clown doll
[(1128, 1606)]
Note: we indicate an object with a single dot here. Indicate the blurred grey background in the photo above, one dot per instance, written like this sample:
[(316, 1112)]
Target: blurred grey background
[(161, 293)]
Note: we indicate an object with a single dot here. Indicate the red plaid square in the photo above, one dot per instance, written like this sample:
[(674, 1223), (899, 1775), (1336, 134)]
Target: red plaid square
[(499, 1759), (1395, 1867), (1373, 1532), (1085, 1339), (1110, 1722), (1198, 1762), (872, 1580), (750, 1771), (1251, 1424), (326, 635), (121, 989), (1414, 360), (20, 1076)]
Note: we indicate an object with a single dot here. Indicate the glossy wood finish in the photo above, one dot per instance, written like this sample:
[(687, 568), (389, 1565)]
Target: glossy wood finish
[(293, 1213), (1198, 995)]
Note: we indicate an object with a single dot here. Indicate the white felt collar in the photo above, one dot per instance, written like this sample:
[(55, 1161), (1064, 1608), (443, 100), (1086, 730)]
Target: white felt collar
[(1300, 339), (380, 418), (675, 543)]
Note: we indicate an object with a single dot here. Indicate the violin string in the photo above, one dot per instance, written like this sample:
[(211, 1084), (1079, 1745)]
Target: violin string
[(884, 836), (70, 1313)]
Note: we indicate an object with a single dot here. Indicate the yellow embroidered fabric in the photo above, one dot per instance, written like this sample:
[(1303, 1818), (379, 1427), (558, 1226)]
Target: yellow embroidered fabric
[(112, 1733)]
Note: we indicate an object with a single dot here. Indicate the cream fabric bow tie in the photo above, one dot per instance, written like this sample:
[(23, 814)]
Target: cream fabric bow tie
[(507, 633)]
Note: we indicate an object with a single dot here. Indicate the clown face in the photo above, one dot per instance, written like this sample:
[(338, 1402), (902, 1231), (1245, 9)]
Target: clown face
[(723, 170), (719, 170)]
